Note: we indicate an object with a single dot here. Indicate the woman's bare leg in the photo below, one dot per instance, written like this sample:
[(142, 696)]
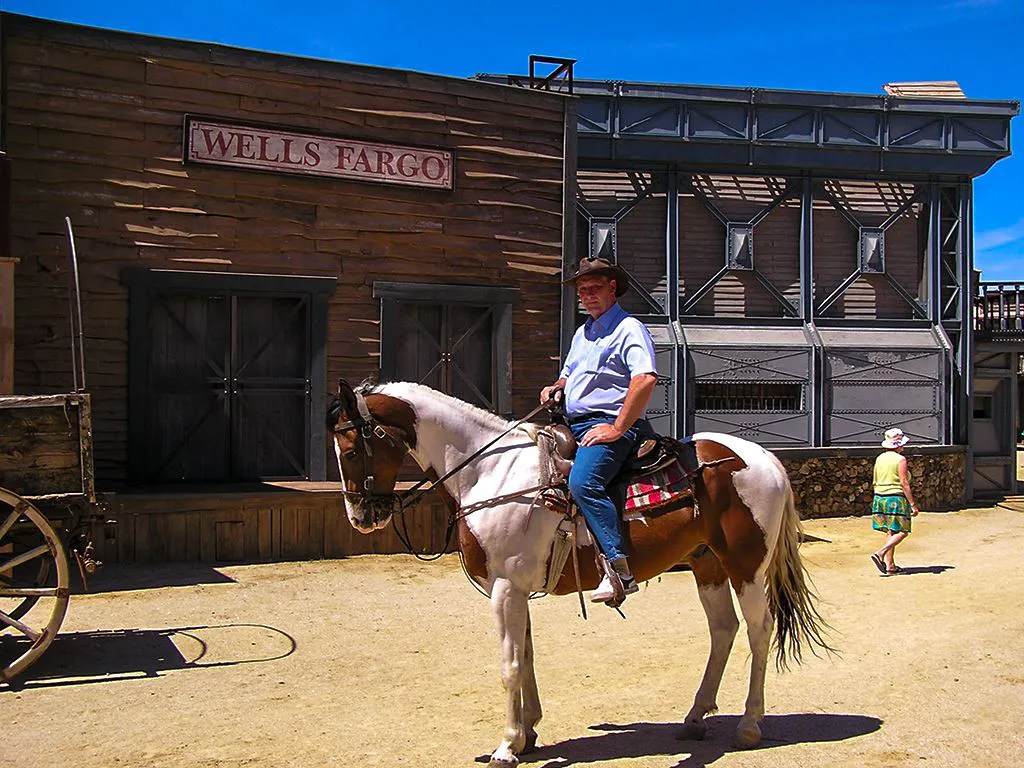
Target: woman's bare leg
[(886, 552)]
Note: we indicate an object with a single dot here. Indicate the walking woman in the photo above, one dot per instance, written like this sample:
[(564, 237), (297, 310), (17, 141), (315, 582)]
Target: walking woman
[(894, 504)]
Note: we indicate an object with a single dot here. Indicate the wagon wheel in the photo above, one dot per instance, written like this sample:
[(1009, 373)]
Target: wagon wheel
[(34, 579)]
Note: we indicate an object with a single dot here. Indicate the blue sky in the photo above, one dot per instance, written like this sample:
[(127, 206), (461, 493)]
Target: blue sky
[(822, 46)]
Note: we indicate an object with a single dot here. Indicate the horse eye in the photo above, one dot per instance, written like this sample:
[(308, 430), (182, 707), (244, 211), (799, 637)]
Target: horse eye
[(350, 455)]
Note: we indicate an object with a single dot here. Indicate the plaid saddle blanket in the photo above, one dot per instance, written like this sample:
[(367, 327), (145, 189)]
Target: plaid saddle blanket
[(657, 488)]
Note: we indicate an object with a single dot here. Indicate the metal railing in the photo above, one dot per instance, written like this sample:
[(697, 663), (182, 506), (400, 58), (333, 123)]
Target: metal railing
[(999, 310)]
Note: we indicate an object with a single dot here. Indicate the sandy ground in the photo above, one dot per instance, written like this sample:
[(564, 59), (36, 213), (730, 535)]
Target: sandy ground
[(385, 661)]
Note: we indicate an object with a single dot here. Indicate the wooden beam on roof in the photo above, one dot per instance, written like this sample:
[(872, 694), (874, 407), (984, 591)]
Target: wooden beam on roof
[(926, 89)]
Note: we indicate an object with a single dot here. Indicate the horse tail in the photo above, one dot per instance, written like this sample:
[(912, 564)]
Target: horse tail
[(791, 598)]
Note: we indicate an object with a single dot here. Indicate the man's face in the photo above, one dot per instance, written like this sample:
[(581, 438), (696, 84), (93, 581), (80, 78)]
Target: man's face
[(597, 294)]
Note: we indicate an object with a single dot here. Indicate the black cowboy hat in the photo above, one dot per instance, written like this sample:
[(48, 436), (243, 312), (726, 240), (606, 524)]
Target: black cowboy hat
[(602, 267)]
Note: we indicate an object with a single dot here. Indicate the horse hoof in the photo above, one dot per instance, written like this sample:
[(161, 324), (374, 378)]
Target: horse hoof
[(503, 763), (692, 732), (748, 737)]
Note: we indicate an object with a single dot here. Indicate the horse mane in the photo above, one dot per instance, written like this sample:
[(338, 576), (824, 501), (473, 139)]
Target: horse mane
[(477, 414)]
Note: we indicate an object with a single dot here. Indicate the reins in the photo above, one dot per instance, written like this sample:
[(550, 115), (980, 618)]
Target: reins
[(368, 426), (404, 499)]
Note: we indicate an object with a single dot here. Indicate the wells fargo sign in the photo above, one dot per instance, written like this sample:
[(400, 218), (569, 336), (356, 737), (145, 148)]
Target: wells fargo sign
[(244, 146)]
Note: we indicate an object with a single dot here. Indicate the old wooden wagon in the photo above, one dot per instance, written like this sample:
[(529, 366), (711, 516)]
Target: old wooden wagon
[(48, 508)]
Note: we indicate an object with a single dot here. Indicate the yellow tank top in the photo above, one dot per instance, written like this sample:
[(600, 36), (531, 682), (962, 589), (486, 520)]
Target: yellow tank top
[(887, 474)]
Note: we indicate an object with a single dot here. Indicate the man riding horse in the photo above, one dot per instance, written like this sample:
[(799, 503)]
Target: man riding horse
[(608, 378)]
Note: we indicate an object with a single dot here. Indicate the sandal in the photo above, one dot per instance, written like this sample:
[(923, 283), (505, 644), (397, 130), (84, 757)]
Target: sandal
[(893, 571), (878, 563)]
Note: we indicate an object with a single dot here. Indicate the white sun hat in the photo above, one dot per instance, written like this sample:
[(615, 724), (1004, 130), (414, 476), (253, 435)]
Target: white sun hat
[(894, 438)]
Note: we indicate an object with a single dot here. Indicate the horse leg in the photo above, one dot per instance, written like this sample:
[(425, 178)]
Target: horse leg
[(510, 606), (754, 605), (532, 712), (713, 590)]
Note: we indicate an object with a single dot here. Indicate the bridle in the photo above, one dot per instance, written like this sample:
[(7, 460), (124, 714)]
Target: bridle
[(368, 427)]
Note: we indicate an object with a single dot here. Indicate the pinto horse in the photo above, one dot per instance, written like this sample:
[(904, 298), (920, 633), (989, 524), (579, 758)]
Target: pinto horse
[(744, 517)]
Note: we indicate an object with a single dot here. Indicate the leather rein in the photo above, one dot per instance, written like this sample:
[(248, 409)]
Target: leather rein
[(369, 426)]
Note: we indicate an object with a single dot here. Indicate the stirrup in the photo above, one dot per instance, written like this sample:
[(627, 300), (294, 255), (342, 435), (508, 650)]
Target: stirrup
[(613, 589)]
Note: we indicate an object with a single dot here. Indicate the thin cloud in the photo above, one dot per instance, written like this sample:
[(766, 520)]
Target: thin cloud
[(1002, 268), (997, 238)]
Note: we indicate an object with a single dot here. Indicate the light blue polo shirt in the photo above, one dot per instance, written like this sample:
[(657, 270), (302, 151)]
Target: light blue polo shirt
[(605, 354)]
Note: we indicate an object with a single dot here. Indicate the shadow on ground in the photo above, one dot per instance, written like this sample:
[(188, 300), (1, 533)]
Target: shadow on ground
[(634, 740), (121, 578), (100, 656), (910, 570)]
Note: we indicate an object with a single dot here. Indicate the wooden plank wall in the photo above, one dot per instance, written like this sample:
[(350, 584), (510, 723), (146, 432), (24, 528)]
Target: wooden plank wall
[(94, 131), (640, 239), (6, 281), (40, 446), (640, 242), (835, 248), (253, 527), (7, 325)]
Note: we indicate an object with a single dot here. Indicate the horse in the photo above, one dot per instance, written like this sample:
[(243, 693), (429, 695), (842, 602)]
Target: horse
[(740, 529)]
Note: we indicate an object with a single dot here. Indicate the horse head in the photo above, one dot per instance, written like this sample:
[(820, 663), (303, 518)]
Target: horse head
[(372, 433)]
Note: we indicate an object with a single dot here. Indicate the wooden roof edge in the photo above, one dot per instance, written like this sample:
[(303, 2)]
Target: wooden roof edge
[(926, 89)]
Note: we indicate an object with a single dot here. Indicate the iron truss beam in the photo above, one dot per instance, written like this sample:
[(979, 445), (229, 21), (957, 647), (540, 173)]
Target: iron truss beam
[(824, 132)]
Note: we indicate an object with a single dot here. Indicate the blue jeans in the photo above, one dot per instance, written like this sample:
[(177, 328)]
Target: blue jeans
[(594, 467)]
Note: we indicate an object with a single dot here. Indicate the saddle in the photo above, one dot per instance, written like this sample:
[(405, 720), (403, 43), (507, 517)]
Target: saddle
[(657, 471)]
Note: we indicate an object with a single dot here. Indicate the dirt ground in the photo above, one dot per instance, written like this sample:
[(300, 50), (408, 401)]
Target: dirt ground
[(386, 661)]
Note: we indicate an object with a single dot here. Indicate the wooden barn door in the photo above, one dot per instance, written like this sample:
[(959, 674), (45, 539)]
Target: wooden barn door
[(270, 387), (228, 388), (449, 348)]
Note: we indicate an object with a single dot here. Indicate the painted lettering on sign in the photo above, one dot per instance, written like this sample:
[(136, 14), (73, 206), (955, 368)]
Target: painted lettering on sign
[(215, 143)]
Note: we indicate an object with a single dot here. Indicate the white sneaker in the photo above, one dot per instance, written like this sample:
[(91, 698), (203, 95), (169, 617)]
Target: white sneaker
[(605, 592)]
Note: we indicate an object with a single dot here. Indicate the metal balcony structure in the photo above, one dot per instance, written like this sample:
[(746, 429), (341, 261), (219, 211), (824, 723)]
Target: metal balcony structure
[(999, 312)]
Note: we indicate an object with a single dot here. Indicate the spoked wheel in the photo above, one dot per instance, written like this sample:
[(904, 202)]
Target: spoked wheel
[(34, 584)]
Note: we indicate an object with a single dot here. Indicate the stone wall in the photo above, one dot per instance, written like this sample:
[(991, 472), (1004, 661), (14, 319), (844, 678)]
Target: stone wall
[(840, 485)]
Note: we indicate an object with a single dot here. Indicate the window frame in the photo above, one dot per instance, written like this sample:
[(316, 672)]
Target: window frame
[(986, 414)]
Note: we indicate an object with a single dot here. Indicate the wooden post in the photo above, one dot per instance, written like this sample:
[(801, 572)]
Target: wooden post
[(7, 325)]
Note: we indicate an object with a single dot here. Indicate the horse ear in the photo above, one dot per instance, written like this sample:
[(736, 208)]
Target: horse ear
[(347, 397)]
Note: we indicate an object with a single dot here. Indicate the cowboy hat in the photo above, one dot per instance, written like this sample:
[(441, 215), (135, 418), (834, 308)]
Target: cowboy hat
[(602, 267), (894, 438)]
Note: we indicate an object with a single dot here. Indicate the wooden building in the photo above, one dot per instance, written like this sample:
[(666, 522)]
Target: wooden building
[(250, 227)]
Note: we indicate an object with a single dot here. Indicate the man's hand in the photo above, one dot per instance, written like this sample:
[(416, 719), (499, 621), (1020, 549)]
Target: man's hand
[(601, 433), (548, 393)]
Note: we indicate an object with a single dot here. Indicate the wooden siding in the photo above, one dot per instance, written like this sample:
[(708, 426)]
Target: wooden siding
[(835, 248), (701, 254), (285, 523), (44, 445), (6, 325), (94, 131), (640, 242), (640, 237), (702, 245)]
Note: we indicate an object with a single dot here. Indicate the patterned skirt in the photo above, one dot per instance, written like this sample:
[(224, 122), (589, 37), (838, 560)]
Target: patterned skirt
[(891, 514)]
